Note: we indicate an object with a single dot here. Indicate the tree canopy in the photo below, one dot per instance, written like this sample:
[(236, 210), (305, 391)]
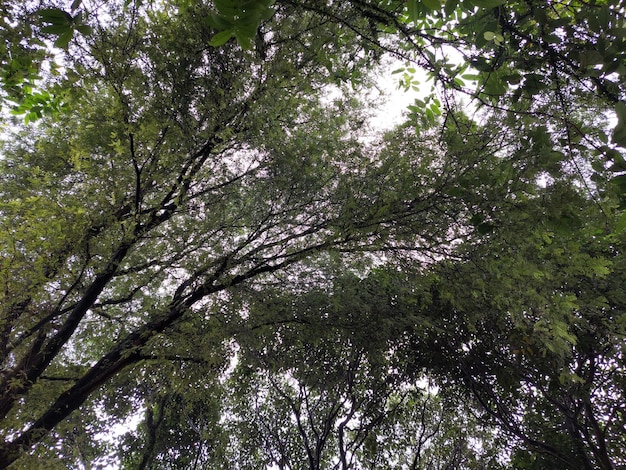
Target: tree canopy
[(212, 259)]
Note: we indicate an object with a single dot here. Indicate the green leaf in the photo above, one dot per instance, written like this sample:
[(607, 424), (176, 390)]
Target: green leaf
[(620, 110), (533, 83), (429, 115), (590, 57), (56, 29), (513, 79), (619, 133), (266, 12), (485, 228), (246, 29), (488, 3), (55, 16), (413, 10), (219, 22), (481, 64), (620, 183), (494, 85), (243, 39), (620, 226), (450, 7), (432, 5), (226, 7), (64, 39), (477, 219), (84, 29), (221, 38)]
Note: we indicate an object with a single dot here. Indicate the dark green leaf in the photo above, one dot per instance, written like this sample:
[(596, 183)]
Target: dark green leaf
[(246, 29), (619, 135), (227, 7), (56, 29), (485, 228), (64, 39), (450, 6), (219, 22), (488, 3), (413, 11), (432, 5), (494, 86), (620, 183), (620, 111), (55, 16), (84, 29)]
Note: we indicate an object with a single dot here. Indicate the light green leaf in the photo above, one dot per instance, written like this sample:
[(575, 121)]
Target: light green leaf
[(221, 38), (243, 39), (470, 76)]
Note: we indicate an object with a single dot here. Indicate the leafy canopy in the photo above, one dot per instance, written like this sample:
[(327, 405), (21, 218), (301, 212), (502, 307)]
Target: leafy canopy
[(200, 231)]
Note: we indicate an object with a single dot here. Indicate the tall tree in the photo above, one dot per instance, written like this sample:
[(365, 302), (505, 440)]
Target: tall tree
[(180, 173), (188, 167)]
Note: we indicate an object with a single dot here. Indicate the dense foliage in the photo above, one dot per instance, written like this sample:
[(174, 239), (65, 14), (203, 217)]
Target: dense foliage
[(210, 258)]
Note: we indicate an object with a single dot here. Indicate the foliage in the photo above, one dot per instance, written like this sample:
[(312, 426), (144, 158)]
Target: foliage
[(202, 234), (537, 325), (318, 385)]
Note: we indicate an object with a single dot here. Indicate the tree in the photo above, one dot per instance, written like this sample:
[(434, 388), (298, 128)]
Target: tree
[(182, 175), (169, 186), (318, 384), (524, 332), (533, 332)]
